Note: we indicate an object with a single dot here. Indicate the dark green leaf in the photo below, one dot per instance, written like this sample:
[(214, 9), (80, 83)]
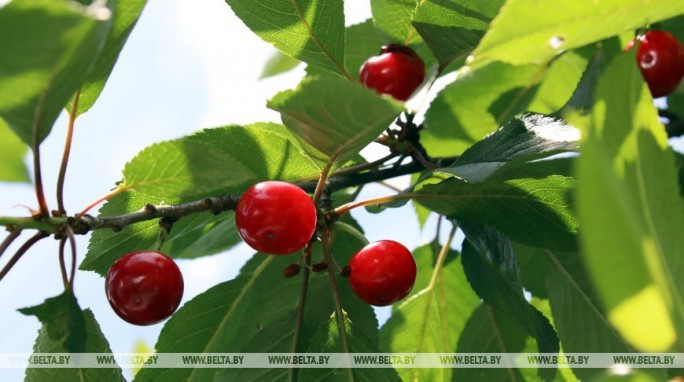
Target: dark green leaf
[(489, 332), (492, 270), (308, 30), (528, 137), (212, 162), (531, 211), (630, 210), (67, 329), (477, 104), (47, 50), (62, 321), (125, 16), (433, 317), (278, 63), (334, 117), (12, 152), (453, 28), (554, 26), (327, 340), (393, 17)]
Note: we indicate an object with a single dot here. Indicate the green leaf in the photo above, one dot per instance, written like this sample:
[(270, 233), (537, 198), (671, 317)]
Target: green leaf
[(477, 104), (431, 319), (308, 30), (47, 50), (125, 16), (581, 322), (560, 81), (554, 26), (630, 210), (327, 340), (12, 153), (67, 329), (531, 211), (257, 313), (526, 138), (278, 63), (212, 162), (452, 28), (62, 321), (393, 17), (488, 332), (334, 117), (492, 270)]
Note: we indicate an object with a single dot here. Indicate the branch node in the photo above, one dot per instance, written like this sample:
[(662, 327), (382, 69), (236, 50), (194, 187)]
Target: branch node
[(150, 209)]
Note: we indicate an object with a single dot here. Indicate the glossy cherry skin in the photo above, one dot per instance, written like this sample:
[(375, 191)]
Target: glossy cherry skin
[(275, 217), (397, 71), (144, 287), (660, 57), (382, 273)]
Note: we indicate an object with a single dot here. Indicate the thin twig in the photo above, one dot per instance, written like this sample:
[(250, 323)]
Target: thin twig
[(67, 152), (21, 251)]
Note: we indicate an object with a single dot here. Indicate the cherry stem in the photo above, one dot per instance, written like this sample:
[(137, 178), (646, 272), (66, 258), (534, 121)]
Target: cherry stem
[(8, 240), (343, 209), (62, 263), (21, 251), (44, 211), (72, 244), (306, 271), (339, 311), (322, 179), (67, 152), (104, 198)]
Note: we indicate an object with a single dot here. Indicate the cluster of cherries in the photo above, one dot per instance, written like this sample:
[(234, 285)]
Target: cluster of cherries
[(279, 218), (273, 217), (660, 57)]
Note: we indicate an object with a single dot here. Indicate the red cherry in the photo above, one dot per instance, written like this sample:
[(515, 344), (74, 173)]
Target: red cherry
[(144, 287), (275, 217), (660, 57), (397, 71), (382, 273)]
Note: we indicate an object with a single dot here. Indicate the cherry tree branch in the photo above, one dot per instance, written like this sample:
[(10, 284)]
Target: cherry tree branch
[(214, 204)]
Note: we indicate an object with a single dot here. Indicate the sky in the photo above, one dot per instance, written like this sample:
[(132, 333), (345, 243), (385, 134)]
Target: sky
[(187, 66)]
